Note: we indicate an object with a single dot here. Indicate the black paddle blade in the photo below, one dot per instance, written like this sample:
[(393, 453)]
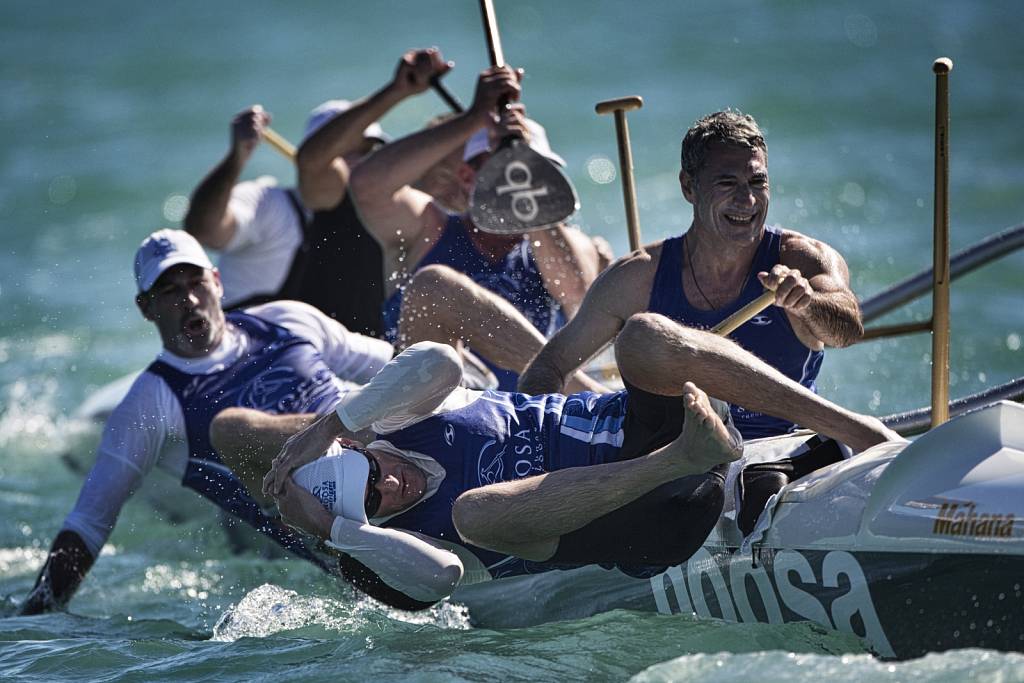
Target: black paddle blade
[(518, 190)]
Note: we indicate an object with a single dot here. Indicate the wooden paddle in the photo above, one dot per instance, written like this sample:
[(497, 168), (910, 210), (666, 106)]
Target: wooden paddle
[(619, 107), (517, 189), (278, 142)]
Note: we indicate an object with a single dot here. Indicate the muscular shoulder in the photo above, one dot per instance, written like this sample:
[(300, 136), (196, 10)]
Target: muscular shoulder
[(625, 285), (810, 256)]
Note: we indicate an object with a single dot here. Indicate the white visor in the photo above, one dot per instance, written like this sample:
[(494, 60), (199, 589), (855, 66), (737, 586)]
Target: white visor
[(338, 480)]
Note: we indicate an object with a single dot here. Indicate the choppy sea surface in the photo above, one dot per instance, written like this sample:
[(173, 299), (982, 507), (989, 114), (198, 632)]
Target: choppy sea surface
[(112, 111)]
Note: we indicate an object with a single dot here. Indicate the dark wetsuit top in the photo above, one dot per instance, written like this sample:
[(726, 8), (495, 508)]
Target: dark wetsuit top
[(338, 267), (767, 335)]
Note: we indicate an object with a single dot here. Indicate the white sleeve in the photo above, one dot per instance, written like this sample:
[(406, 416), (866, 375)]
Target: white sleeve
[(350, 355), (259, 209), (411, 386), (403, 561), (133, 438)]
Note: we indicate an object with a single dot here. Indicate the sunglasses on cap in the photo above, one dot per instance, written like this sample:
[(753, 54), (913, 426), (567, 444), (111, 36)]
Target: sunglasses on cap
[(372, 504)]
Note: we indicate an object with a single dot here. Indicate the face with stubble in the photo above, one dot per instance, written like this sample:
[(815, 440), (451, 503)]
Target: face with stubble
[(184, 304), (730, 194)]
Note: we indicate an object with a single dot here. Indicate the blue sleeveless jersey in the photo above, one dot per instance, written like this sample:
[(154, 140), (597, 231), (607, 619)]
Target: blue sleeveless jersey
[(503, 436), (769, 336), (280, 373), (516, 279)]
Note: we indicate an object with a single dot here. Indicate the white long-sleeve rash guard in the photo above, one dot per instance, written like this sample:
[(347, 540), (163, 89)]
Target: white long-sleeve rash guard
[(421, 381), (148, 427)]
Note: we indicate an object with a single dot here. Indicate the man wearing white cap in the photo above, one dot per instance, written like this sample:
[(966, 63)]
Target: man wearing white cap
[(432, 252), (283, 358), (272, 246)]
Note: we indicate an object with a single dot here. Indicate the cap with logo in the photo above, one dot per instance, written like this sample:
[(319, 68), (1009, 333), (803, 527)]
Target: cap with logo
[(163, 249), (480, 142), (338, 480), (331, 108)]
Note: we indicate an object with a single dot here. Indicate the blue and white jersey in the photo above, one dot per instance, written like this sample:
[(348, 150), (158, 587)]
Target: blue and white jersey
[(505, 436)]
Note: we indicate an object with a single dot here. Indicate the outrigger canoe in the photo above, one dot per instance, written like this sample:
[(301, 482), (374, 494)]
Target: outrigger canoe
[(915, 547)]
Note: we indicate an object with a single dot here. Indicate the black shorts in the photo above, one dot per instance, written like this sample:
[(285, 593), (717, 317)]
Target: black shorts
[(664, 527)]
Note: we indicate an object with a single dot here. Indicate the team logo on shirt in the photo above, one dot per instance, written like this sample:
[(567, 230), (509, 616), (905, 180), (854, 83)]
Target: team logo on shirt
[(761, 319), (449, 434), (491, 463)]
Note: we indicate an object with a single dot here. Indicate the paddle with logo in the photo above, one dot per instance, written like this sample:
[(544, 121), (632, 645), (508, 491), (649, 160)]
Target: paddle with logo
[(517, 190)]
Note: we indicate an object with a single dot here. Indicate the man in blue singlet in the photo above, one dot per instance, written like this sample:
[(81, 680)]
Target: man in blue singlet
[(724, 261), (283, 358), (430, 252), (463, 485)]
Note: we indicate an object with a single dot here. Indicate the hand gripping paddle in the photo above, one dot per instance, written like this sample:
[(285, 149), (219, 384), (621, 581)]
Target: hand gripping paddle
[(517, 189)]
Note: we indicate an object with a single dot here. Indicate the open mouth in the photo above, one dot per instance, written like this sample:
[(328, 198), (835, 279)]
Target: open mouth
[(195, 325)]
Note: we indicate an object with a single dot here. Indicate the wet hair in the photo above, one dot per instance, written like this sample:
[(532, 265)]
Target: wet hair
[(729, 127)]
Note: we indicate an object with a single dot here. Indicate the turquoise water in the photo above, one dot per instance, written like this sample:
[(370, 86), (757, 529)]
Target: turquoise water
[(112, 111)]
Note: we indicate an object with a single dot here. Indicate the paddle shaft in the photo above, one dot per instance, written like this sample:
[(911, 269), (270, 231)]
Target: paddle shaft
[(940, 284), (619, 107), (741, 316), (491, 33), (278, 142)]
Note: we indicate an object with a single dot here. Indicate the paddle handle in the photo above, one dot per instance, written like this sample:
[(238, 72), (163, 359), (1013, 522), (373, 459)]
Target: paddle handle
[(741, 316), (491, 33), (278, 142), (619, 107), (621, 104)]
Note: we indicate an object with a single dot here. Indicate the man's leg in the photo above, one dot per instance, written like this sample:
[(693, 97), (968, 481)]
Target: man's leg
[(248, 440), (443, 305), (659, 355), (527, 517)]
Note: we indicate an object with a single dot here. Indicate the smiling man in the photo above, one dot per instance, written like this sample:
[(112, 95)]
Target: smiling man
[(720, 264), (284, 358)]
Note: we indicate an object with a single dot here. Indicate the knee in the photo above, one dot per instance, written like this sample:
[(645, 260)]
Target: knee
[(435, 281), (227, 432), (469, 518), (649, 341)]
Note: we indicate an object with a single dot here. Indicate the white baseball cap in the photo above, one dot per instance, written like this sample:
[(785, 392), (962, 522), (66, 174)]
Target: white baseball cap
[(331, 108), (338, 480), (481, 142), (163, 249)]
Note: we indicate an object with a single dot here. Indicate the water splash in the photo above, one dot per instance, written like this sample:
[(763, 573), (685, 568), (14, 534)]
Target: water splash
[(270, 609)]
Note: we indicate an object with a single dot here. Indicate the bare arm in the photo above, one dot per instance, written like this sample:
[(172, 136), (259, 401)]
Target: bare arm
[(568, 263), (812, 283), (208, 218), (389, 207), (619, 292), (323, 171)]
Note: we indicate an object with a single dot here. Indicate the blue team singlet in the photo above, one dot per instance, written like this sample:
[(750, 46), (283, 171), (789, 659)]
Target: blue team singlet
[(505, 436), (516, 279), (768, 335), (280, 373)]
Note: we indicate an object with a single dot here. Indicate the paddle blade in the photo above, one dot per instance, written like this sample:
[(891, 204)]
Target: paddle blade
[(518, 190)]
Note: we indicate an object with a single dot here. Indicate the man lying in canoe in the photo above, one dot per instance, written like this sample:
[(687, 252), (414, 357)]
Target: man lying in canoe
[(724, 261), (495, 483), (434, 252)]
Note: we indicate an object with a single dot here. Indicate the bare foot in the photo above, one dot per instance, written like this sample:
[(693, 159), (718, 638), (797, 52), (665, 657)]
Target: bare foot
[(705, 441), (872, 432)]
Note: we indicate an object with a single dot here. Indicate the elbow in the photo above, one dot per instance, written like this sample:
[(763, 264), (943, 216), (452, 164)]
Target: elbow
[(438, 363)]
